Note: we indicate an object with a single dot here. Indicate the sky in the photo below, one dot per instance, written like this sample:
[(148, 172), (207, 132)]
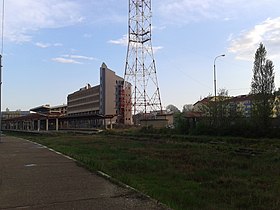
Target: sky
[(54, 47)]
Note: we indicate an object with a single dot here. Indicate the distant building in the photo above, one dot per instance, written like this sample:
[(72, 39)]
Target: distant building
[(12, 114), (39, 118), (276, 107), (202, 106), (239, 104), (47, 109), (156, 119), (61, 109)]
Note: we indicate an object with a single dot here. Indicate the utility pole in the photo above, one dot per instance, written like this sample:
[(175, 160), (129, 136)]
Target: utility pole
[(215, 80), (0, 98), (140, 67), (2, 50)]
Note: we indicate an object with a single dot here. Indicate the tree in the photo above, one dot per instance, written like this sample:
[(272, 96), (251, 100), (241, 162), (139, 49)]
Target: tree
[(181, 124), (215, 112), (222, 106), (172, 108), (187, 108), (262, 88)]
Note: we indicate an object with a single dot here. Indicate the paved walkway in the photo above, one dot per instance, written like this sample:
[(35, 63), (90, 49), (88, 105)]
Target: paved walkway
[(33, 177)]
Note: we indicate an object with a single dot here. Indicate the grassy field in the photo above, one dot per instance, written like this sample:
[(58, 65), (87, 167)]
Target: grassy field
[(182, 172)]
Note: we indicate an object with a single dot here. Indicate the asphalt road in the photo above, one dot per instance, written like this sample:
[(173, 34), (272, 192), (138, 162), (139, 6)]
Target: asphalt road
[(33, 177)]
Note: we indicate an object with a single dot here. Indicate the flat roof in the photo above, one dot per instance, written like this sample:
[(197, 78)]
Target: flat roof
[(40, 116), (42, 108)]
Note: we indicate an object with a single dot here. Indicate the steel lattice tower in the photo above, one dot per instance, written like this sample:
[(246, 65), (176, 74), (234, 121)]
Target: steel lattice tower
[(140, 68)]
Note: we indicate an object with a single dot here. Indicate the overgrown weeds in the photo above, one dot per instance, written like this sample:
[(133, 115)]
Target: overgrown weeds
[(183, 172)]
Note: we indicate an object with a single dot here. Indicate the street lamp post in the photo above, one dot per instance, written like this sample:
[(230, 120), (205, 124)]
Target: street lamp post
[(215, 90), (215, 80)]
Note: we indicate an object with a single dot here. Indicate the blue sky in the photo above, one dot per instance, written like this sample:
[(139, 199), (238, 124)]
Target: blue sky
[(54, 47)]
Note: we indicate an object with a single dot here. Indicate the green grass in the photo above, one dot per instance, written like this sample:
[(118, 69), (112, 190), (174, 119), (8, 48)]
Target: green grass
[(182, 172)]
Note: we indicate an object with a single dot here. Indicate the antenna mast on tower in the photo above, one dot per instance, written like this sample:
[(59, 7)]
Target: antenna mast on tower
[(140, 68)]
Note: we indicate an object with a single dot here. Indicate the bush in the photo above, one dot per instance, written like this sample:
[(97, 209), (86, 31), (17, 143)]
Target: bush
[(239, 127)]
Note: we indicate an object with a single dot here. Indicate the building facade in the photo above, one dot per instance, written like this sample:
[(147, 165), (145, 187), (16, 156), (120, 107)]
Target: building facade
[(48, 109), (84, 101), (241, 104), (105, 99), (12, 114)]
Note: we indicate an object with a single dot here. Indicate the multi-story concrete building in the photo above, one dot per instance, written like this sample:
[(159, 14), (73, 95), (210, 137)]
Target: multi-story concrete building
[(108, 90), (103, 100), (84, 101)]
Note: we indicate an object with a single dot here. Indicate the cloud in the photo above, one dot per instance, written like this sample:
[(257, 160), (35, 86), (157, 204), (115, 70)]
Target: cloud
[(47, 45), (65, 60), (124, 39), (42, 45), (81, 57), (124, 42), (159, 28), (186, 11), (24, 17), (87, 36), (156, 49), (246, 43), (57, 45), (73, 59)]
